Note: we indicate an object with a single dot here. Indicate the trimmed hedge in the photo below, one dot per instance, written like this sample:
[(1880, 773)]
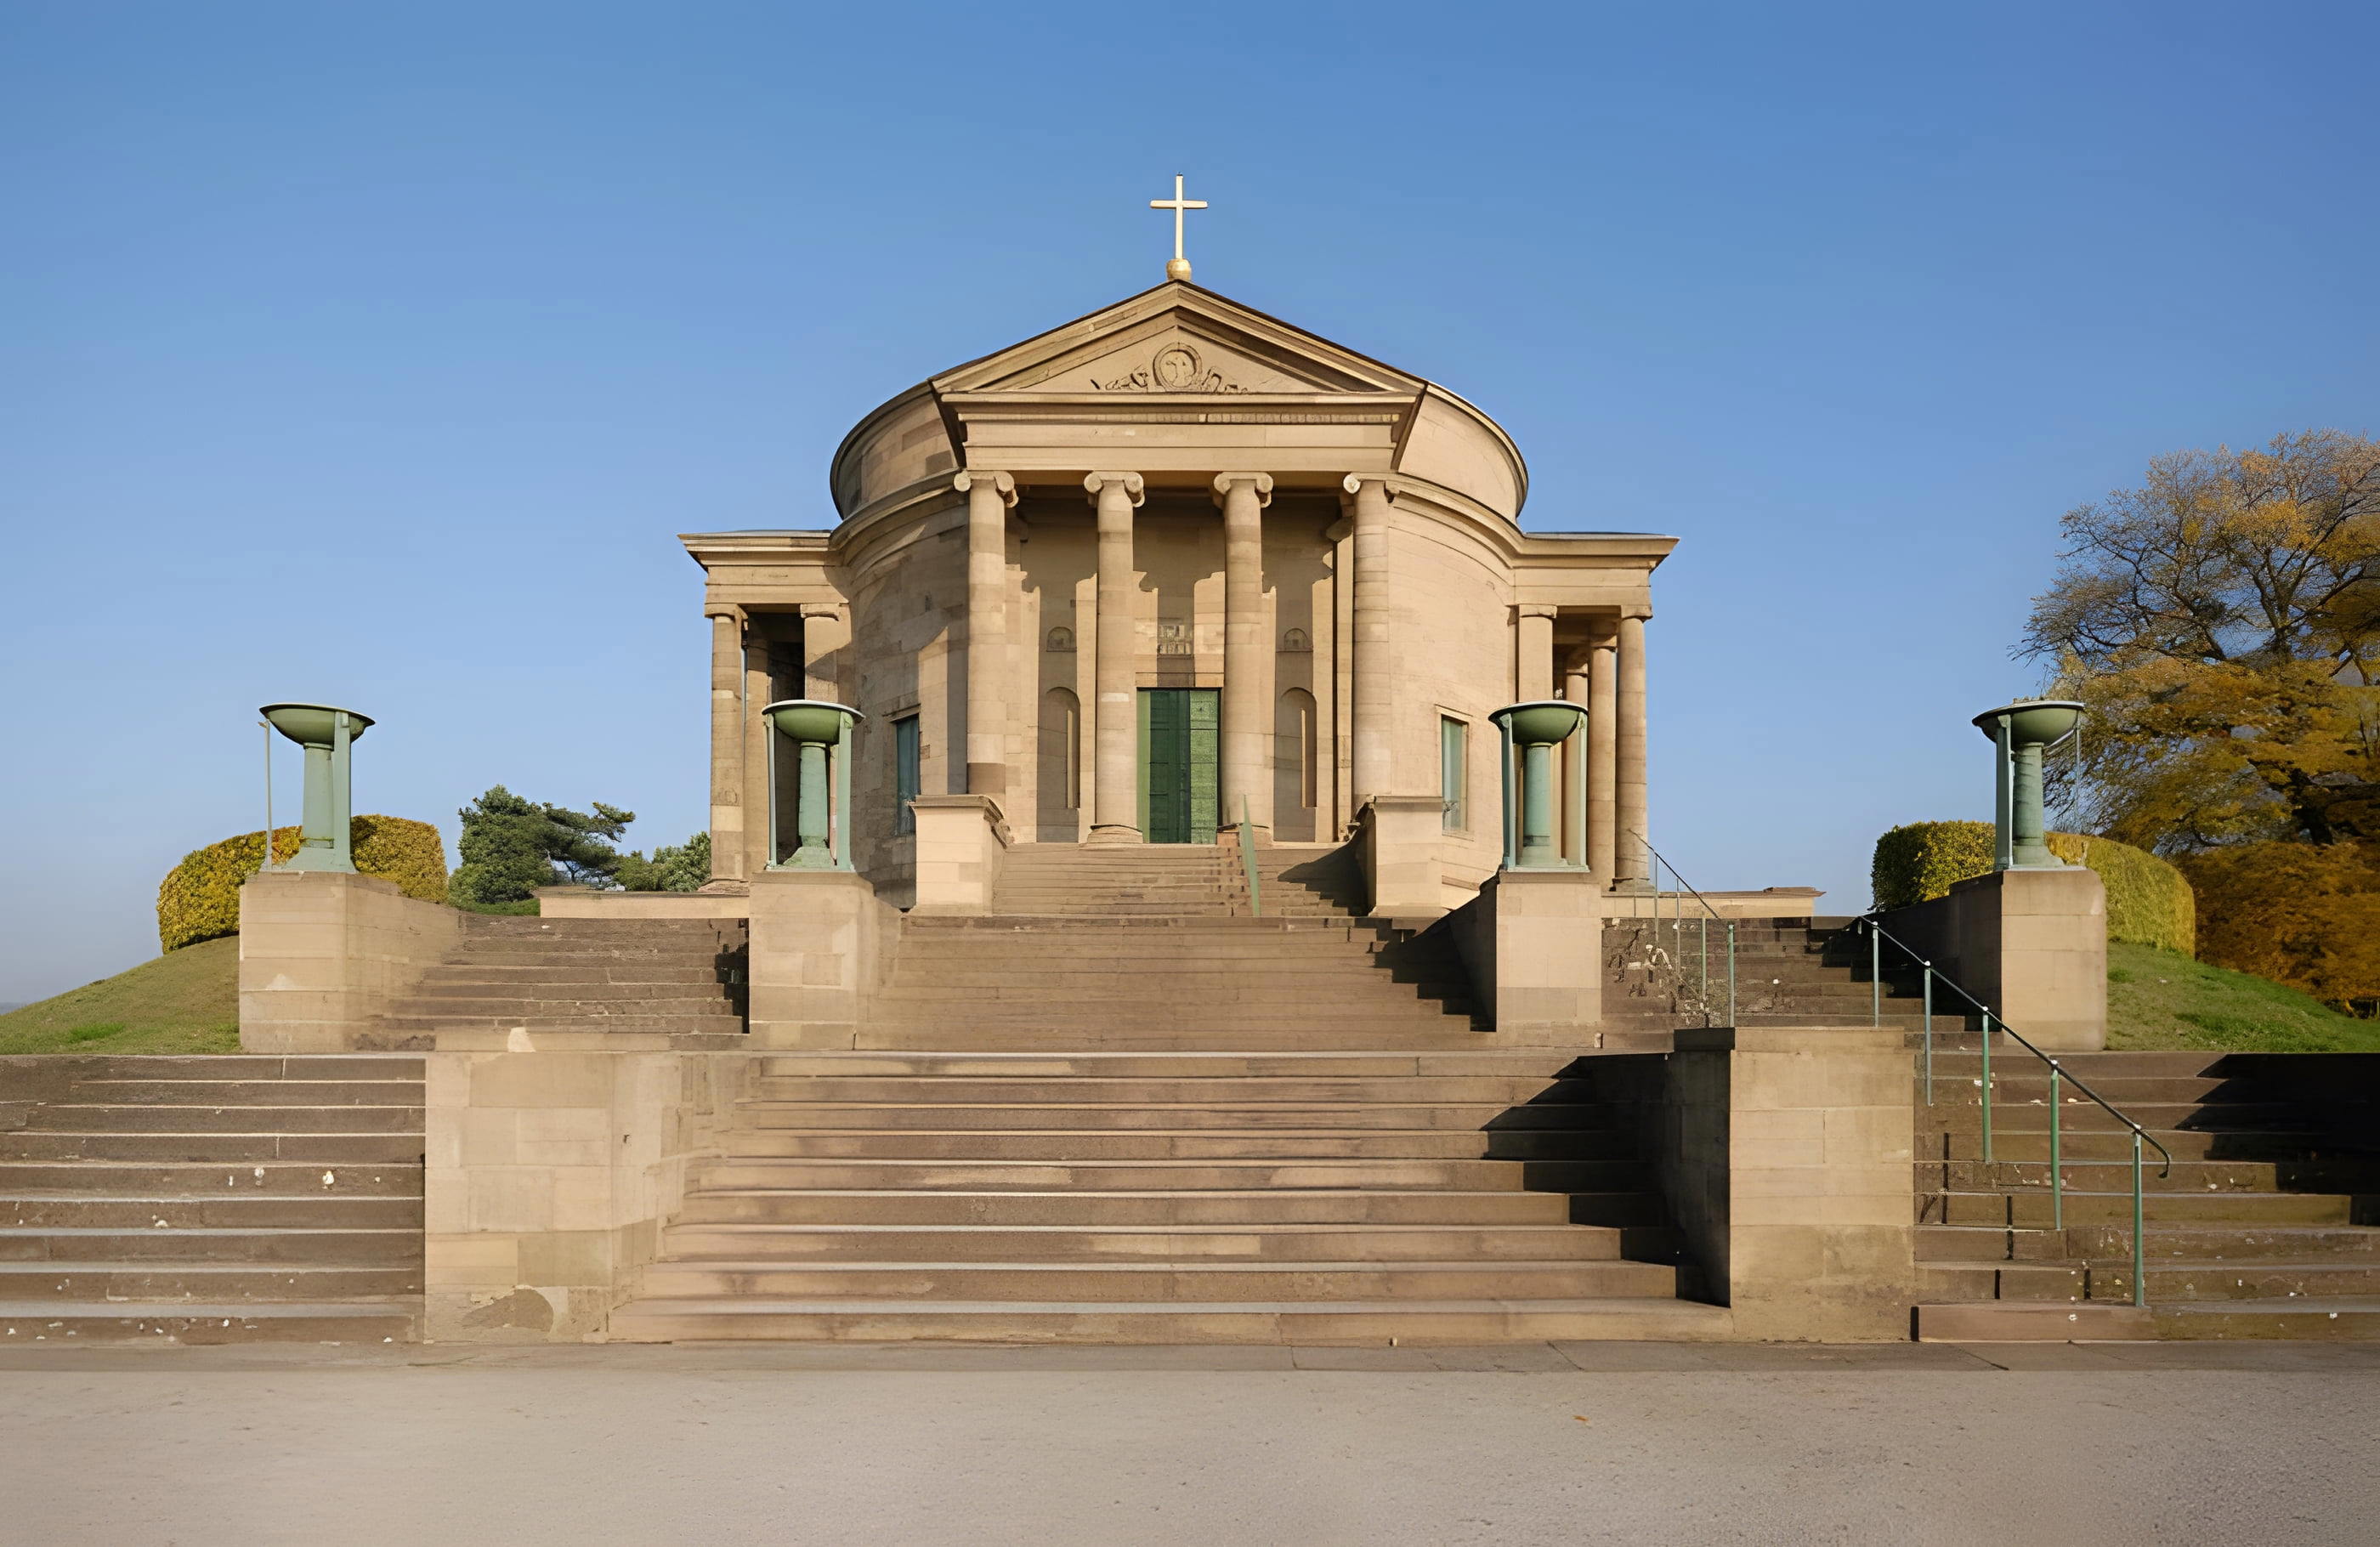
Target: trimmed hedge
[(2301, 914), (2149, 902), (199, 899)]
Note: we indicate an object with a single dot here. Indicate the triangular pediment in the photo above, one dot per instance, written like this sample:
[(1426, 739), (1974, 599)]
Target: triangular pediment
[(1176, 339)]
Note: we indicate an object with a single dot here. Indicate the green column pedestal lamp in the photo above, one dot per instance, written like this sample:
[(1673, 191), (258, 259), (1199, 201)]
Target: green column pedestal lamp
[(2020, 733), (1533, 730), (326, 733), (821, 733)]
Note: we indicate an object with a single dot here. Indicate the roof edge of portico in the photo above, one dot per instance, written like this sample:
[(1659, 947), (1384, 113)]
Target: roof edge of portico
[(1358, 378)]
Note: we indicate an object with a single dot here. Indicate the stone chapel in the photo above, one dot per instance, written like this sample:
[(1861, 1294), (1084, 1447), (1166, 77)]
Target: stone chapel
[(1172, 566)]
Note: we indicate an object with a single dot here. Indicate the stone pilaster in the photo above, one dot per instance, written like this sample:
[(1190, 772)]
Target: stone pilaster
[(1115, 796), (1577, 689), (1532, 653), (727, 781), (1248, 653), (1632, 864), (1375, 693), (991, 496), (1602, 755)]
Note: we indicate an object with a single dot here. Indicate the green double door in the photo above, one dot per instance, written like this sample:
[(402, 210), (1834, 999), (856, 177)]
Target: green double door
[(1180, 764)]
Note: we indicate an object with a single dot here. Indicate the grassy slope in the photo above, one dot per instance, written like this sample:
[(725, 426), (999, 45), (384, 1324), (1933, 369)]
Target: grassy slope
[(2162, 999), (187, 1000)]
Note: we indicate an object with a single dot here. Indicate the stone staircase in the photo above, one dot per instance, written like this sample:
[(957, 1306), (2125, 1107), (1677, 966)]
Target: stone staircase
[(670, 975), (1152, 948), (1660, 974), (1120, 1109), (2268, 1226), (211, 1200), (1170, 1197)]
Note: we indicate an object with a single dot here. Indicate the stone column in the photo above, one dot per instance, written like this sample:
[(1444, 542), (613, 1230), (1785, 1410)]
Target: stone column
[(826, 641), (1632, 865), (1602, 755), (991, 496), (1115, 794), (1575, 689), (1375, 687), (1533, 663), (727, 781), (1248, 653)]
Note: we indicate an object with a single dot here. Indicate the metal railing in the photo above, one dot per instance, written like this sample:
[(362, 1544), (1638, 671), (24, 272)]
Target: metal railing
[(2058, 1079), (1678, 894), (1249, 860)]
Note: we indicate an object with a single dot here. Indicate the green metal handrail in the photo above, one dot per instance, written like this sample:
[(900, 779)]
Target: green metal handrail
[(1249, 860), (1678, 927), (2059, 1081)]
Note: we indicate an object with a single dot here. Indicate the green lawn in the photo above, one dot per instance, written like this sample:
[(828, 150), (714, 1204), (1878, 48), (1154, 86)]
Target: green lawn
[(2162, 999), (187, 1000)]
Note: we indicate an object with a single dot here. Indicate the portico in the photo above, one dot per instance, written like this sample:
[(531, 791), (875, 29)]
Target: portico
[(1178, 556)]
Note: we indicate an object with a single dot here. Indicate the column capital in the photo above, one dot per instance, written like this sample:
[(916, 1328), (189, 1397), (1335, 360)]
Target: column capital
[(821, 609), (1262, 483), (1534, 609), (1004, 484), (1639, 611), (1130, 483), (1353, 483), (727, 610)]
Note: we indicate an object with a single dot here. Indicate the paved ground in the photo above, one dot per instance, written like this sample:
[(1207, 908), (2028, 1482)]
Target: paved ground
[(1916, 1447)]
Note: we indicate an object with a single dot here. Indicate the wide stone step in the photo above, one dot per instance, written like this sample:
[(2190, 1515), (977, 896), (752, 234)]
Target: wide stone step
[(709, 1224), (2021, 1117), (1107, 1117), (211, 1281), (2207, 1242), (654, 998), (961, 1090), (1145, 1282), (1211, 1243), (101, 1244), (1527, 1062), (190, 1324), (209, 1182), (1091, 1144), (2274, 1145), (713, 1024), (2023, 1210), (1295, 1322), (247, 1092), (232, 1212), (1439, 1034), (2341, 1319), (594, 970), (981, 1175), (396, 1067), (541, 1007), (229, 1148), (2183, 1176), (78, 1117)]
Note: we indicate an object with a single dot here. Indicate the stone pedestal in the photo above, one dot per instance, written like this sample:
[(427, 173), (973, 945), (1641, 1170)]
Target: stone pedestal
[(1785, 1153), (1397, 839), (549, 1177), (2032, 945), (819, 949), (322, 952), (961, 839), (1533, 942)]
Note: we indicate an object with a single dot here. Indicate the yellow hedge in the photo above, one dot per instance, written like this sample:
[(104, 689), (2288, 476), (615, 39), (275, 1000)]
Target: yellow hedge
[(199, 899), (2149, 902)]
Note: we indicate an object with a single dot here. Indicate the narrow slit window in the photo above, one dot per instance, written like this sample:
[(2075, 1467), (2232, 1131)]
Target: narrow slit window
[(1453, 764), (905, 782)]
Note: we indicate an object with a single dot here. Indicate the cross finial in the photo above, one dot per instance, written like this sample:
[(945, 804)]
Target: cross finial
[(1179, 266)]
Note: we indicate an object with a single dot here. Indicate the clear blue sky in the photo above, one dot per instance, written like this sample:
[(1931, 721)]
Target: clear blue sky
[(375, 354)]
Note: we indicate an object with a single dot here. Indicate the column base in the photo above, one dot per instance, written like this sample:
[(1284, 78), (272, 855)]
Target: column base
[(1230, 833), (987, 778), (1102, 837)]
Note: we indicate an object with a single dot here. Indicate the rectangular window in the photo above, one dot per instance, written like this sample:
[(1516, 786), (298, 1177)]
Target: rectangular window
[(905, 784), (1453, 772)]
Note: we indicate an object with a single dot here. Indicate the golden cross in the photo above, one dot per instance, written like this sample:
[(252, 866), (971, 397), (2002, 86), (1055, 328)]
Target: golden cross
[(1180, 267)]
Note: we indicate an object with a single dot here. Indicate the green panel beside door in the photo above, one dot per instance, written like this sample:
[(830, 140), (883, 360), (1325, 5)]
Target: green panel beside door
[(1180, 764)]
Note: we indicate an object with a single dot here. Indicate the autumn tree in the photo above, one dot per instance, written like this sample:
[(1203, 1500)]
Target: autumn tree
[(2222, 621)]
